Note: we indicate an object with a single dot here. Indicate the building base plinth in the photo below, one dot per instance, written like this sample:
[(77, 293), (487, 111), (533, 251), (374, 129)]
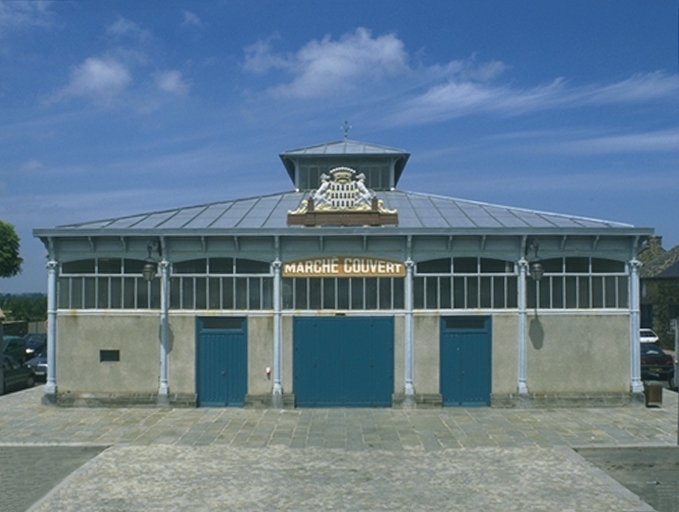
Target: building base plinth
[(544, 400), (417, 400), (282, 401), (178, 400)]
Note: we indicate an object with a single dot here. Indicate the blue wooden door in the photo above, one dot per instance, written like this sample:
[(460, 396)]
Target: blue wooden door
[(221, 362), (343, 361), (465, 373)]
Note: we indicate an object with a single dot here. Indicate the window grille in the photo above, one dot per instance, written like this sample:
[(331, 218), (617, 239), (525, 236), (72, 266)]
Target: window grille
[(580, 283), (356, 293)]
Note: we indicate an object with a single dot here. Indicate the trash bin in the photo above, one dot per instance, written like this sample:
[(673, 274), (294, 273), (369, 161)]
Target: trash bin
[(653, 393)]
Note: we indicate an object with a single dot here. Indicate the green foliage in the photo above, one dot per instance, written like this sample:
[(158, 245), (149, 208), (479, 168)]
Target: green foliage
[(10, 261), (28, 308)]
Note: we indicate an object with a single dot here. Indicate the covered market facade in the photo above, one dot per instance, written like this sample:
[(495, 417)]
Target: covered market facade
[(343, 292)]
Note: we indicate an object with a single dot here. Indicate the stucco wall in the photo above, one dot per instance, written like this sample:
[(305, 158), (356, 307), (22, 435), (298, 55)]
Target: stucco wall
[(426, 350), (571, 353), (182, 354), (81, 337), (260, 354), (505, 354)]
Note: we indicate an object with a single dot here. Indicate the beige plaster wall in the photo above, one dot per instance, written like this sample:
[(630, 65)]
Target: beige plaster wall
[(182, 354), (426, 353), (572, 353), (81, 337), (260, 354), (505, 353), (399, 354), (286, 356)]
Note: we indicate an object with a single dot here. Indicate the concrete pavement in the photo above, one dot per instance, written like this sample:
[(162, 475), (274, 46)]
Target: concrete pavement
[(342, 459)]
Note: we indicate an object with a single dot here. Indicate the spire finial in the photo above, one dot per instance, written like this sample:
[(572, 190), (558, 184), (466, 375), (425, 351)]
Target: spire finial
[(346, 127)]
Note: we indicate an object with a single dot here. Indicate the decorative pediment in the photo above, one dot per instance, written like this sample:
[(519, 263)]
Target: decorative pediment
[(342, 199)]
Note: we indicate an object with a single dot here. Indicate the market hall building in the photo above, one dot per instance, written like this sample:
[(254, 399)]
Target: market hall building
[(344, 292)]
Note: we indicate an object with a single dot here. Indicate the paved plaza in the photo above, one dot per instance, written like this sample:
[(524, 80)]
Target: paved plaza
[(463, 459)]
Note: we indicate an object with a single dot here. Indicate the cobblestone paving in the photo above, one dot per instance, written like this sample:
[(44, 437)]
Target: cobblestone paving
[(342, 459)]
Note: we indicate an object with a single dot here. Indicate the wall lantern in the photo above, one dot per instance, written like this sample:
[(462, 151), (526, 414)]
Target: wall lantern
[(150, 266), (535, 265)]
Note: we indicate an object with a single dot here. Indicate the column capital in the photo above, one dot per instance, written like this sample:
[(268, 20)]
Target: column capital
[(635, 264), (276, 264), (51, 265)]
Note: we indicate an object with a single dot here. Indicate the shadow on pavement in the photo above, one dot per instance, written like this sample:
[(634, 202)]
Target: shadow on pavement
[(652, 473)]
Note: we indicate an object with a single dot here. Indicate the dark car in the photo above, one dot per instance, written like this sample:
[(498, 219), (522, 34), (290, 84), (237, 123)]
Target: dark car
[(35, 343), (14, 346), (655, 364), (16, 376), (38, 365)]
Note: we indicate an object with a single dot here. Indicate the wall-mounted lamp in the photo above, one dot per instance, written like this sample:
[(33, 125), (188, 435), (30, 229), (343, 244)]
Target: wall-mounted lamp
[(534, 264), (150, 266)]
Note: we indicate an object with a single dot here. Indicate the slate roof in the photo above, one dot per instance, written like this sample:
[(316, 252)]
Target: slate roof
[(665, 266), (417, 212)]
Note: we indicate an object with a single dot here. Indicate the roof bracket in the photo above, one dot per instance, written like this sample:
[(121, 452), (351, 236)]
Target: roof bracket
[(596, 242), (450, 243), (123, 242), (203, 243), (365, 243), (320, 243), (563, 242), (236, 243), (483, 242), (91, 241)]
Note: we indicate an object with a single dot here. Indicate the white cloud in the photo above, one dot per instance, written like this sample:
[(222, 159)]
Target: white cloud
[(191, 20), (462, 96), (658, 141), (24, 14), (98, 79), (327, 67), (123, 27), (171, 82), (31, 165)]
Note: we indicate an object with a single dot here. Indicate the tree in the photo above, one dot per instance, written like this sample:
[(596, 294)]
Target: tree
[(10, 261)]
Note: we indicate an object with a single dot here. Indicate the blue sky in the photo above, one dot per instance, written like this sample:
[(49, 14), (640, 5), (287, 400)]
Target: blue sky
[(109, 108)]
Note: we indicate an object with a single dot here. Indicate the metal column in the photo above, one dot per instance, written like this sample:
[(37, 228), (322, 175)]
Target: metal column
[(635, 348), (164, 388), (523, 322), (277, 337), (51, 384), (409, 388)]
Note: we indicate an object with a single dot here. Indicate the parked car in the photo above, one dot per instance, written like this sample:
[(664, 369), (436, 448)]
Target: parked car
[(648, 336), (35, 343), (16, 376), (38, 365), (655, 364), (14, 346)]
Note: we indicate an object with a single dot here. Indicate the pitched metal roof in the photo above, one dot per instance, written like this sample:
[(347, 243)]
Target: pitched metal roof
[(417, 212), (345, 147)]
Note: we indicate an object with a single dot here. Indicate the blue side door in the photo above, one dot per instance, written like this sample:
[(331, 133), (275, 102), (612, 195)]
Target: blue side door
[(221, 361), (465, 373), (343, 361)]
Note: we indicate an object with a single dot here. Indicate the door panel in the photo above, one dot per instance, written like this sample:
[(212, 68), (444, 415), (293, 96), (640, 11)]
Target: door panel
[(343, 361), (221, 359), (465, 361)]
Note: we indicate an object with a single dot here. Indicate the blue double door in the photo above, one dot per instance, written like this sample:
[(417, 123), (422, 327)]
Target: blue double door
[(465, 374), (221, 361), (343, 361)]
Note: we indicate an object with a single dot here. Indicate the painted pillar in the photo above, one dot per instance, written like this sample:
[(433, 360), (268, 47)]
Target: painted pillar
[(408, 370), (277, 336), (164, 388), (634, 323), (51, 382), (522, 388)]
